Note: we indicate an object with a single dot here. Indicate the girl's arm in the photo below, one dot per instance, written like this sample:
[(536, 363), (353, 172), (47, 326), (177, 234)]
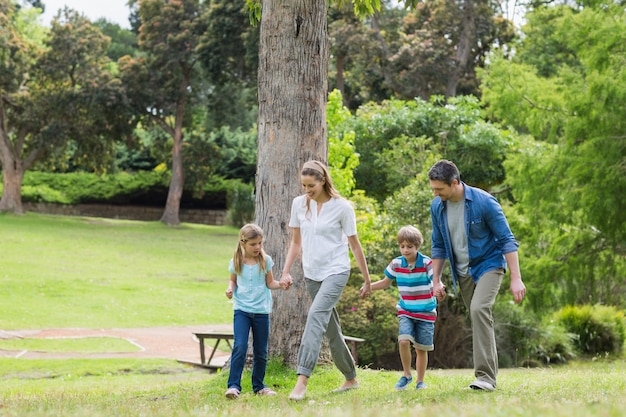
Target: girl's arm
[(232, 284), (294, 250), (269, 281)]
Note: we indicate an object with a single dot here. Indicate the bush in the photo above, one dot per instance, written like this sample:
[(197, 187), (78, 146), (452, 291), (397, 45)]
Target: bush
[(240, 203), (373, 319), (598, 329), (145, 188), (521, 341)]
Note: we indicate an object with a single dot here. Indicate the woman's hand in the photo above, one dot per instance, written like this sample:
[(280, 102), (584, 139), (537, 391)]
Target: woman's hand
[(365, 290)]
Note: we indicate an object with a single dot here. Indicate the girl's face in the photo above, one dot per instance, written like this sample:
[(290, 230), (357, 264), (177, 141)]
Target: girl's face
[(408, 250), (252, 247), (313, 187)]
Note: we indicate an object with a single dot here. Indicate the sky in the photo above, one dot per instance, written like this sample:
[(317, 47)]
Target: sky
[(115, 11)]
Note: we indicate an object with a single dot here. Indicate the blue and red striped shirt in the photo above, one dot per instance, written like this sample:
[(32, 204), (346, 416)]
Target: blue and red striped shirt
[(415, 285)]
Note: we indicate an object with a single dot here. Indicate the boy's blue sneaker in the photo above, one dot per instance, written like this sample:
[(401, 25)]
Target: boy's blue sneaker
[(420, 385), (403, 382)]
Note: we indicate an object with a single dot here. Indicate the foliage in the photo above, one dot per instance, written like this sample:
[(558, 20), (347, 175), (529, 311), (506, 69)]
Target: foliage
[(240, 202), (396, 138), (58, 92), (565, 87), (228, 52), (599, 330), (526, 340), (83, 187), (123, 41), (373, 319), (342, 158), (237, 151)]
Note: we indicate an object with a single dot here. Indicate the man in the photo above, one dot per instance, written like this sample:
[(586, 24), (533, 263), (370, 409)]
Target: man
[(470, 229)]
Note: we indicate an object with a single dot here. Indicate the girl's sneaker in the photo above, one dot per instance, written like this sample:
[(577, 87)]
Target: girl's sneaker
[(232, 393), (266, 391), (403, 382)]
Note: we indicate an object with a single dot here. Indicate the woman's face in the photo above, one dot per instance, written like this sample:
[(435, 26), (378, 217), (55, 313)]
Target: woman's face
[(313, 187)]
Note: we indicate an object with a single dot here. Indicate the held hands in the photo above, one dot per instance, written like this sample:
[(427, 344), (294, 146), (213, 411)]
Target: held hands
[(285, 281), (365, 290), (440, 291)]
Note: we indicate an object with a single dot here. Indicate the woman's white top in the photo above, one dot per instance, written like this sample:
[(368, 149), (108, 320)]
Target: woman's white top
[(324, 241)]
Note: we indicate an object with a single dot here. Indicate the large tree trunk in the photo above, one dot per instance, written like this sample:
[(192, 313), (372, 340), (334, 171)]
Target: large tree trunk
[(12, 175), (177, 182), (12, 170), (293, 78)]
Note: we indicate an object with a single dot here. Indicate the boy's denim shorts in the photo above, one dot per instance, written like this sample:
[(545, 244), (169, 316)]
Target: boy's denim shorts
[(419, 332)]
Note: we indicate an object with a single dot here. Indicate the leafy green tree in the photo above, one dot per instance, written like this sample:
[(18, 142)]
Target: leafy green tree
[(56, 91), (567, 90), (228, 51), (162, 82), (123, 41), (395, 137)]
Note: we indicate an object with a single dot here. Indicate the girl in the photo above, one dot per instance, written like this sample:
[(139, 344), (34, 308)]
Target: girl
[(251, 278), (320, 221)]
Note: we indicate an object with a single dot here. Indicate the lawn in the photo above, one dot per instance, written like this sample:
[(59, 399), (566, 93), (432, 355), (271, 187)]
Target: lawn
[(97, 273), (101, 273)]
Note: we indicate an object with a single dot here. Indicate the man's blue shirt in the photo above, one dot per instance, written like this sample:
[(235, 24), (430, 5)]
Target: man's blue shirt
[(489, 236)]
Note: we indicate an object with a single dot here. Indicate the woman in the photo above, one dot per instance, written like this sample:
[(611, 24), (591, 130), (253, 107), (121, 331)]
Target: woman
[(323, 226)]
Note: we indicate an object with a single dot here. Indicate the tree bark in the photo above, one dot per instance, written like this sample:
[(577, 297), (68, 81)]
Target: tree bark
[(12, 176), (177, 182), (293, 83)]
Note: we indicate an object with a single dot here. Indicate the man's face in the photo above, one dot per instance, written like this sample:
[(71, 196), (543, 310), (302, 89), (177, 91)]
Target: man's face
[(441, 189)]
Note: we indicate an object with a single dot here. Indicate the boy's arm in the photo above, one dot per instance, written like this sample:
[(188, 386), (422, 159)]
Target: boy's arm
[(232, 284), (381, 284)]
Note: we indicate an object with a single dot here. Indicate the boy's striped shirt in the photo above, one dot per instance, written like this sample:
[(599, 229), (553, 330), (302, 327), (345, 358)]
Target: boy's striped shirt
[(415, 285)]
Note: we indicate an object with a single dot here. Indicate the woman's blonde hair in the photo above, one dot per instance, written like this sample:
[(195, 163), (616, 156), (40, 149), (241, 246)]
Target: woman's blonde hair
[(319, 171), (248, 232)]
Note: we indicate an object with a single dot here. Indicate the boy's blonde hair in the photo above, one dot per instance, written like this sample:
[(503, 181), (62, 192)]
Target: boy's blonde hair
[(412, 235), (246, 233)]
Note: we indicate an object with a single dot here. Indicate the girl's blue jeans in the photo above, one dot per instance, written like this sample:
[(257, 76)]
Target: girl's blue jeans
[(260, 326)]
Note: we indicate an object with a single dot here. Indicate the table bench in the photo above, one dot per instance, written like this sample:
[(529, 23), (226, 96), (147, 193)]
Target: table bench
[(228, 336), (218, 336), (353, 342)]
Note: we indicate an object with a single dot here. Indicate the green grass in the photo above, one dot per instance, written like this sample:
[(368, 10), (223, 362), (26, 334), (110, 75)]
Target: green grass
[(101, 273), (30, 388)]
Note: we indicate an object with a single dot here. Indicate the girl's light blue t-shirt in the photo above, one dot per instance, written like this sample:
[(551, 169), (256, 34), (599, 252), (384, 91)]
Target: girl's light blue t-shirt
[(252, 294)]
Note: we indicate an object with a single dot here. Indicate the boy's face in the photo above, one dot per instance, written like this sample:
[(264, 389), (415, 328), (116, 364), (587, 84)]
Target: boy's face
[(408, 250)]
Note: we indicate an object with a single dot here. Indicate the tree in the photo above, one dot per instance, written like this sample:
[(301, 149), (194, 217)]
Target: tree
[(229, 52), (55, 90), (161, 83), (566, 88), (293, 65), (293, 78)]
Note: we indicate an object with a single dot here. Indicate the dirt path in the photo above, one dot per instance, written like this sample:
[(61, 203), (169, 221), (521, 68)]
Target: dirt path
[(155, 342)]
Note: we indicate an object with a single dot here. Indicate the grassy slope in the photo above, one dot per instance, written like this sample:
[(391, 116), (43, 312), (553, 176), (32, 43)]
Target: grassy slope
[(98, 273)]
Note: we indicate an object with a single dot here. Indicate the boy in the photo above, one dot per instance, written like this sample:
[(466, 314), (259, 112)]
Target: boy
[(417, 307)]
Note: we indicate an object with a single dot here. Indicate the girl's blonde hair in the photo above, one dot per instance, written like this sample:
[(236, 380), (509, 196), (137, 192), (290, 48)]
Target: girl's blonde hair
[(248, 232), (318, 170), (412, 235)]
